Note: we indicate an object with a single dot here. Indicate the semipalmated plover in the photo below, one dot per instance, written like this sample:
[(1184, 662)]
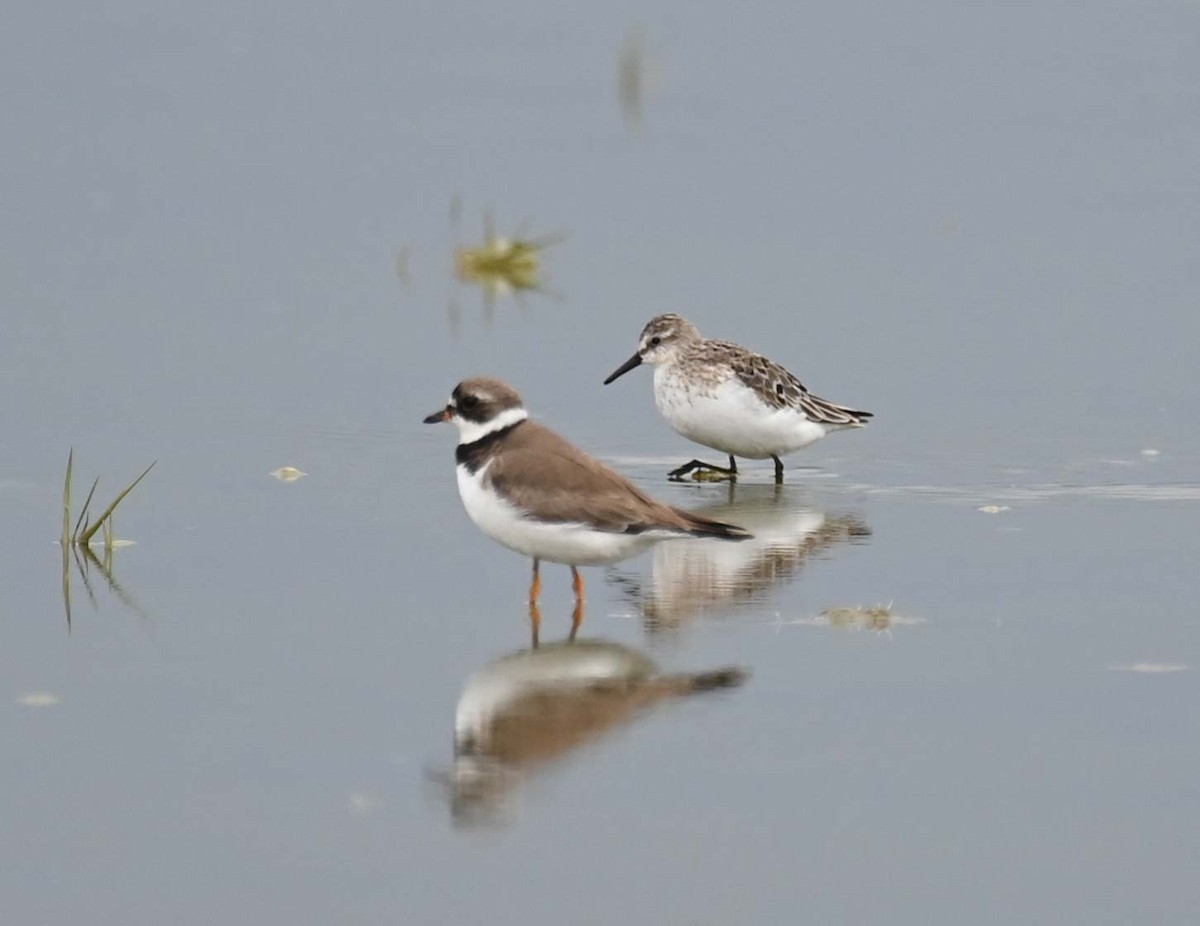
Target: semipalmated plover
[(729, 398), (537, 494)]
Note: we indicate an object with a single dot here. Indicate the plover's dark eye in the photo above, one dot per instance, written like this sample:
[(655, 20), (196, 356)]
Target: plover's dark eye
[(468, 401)]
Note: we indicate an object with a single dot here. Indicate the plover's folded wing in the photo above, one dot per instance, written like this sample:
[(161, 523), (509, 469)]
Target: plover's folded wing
[(549, 479)]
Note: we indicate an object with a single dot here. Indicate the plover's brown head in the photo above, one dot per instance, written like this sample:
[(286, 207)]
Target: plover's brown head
[(480, 406), (662, 338)]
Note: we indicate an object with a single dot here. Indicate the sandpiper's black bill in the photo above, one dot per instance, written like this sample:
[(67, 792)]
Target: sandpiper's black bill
[(624, 368), (439, 416)]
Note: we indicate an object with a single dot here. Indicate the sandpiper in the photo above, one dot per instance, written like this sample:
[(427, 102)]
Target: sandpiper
[(537, 494), (727, 397)]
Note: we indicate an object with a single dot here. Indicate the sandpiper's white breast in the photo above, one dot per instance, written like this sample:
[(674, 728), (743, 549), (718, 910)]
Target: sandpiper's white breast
[(714, 408), (569, 543)]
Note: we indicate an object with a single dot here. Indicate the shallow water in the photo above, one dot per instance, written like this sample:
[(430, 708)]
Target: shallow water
[(967, 630)]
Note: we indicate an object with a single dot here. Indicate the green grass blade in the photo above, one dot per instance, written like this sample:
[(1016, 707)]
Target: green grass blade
[(66, 582), (81, 563), (66, 536), (83, 514), (87, 535)]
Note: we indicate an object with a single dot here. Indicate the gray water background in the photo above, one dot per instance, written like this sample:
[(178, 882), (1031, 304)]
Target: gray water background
[(978, 222)]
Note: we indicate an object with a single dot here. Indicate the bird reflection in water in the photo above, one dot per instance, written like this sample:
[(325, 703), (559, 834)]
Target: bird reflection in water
[(700, 577), (526, 710)]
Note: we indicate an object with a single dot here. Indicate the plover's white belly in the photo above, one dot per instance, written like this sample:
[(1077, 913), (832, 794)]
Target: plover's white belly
[(572, 544), (731, 417)]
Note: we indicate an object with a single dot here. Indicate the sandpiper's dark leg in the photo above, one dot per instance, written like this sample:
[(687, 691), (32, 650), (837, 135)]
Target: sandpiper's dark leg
[(535, 623), (778, 469), (732, 464), (678, 474)]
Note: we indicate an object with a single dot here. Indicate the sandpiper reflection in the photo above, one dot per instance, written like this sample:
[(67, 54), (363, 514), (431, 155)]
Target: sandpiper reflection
[(700, 577), (523, 711)]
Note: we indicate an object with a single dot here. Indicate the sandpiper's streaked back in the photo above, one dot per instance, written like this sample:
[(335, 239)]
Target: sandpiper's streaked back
[(729, 398), (535, 493)]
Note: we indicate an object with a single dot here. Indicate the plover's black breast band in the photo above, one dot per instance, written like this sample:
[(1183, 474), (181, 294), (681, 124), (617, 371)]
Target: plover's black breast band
[(475, 454)]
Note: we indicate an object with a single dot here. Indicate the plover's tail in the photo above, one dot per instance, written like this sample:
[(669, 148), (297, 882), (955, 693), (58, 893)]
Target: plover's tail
[(706, 527), (685, 684), (825, 412)]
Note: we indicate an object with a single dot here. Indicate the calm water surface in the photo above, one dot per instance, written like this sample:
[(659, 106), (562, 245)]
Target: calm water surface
[(230, 248)]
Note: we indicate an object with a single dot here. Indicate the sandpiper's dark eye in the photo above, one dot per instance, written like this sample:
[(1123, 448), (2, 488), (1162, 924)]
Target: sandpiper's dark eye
[(655, 341)]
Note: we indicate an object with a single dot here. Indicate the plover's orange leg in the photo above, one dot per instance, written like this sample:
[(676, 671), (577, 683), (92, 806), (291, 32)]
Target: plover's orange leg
[(535, 622), (535, 586), (577, 613), (576, 618)]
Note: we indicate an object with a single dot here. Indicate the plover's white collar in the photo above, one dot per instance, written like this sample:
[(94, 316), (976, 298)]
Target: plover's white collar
[(471, 431)]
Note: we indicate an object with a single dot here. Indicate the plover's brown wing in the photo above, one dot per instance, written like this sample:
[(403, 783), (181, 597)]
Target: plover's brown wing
[(780, 388), (550, 479)]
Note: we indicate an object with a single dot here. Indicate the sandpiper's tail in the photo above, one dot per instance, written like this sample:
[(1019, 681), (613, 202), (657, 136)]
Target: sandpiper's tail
[(825, 412)]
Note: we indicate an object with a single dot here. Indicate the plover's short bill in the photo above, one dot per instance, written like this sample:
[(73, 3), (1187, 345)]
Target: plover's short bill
[(731, 399), (535, 493)]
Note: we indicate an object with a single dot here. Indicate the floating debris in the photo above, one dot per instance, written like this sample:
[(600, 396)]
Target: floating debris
[(1150, 452), (401, 266), (879, 618), (288, 474), (504, 265), (874, 617), (994, 509), (361, 803), (1150, 668), (951, 228), (631, 79), (39, 699)]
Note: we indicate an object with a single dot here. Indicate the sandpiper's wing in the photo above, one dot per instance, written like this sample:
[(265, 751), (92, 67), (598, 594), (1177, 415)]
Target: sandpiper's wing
[(779, 388)]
